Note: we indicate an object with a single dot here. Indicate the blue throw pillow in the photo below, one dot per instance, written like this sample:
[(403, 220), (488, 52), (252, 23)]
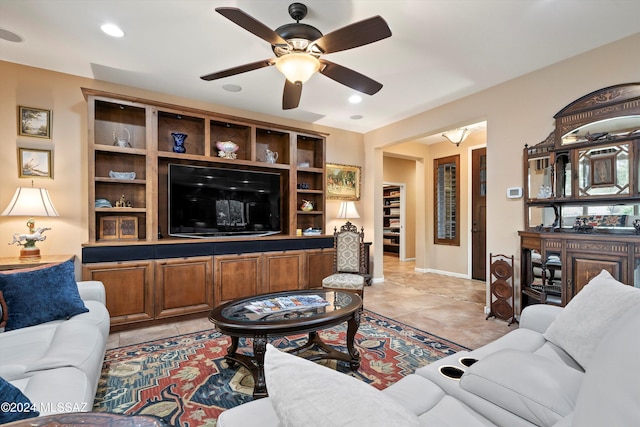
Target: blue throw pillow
[(15, 405), (40, 295)]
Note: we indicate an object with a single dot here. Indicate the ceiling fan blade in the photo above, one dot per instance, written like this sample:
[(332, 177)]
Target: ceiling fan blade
[(238, 70), (353, 35), (350, 78), (251, 24), (291, 95)]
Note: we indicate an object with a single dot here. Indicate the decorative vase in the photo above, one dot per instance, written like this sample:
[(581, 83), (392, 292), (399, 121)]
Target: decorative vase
[(307, 206), (122, 139), (178, 141)]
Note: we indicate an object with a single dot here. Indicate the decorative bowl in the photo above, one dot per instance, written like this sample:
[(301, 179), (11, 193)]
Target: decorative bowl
[(103, 203), (122, 175), (227, 149)]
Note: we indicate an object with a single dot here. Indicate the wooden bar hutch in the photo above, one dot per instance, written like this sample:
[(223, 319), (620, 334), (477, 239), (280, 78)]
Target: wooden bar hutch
[(582, 198)]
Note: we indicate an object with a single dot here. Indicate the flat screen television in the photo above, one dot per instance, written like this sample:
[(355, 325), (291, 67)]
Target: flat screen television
[(214, 202)]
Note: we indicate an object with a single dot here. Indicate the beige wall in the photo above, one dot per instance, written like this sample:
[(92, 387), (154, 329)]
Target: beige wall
[(26, 86), (517, 112)]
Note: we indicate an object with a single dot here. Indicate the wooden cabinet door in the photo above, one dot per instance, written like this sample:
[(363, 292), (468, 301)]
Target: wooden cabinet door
[(237, 276), (128, 287), (183, 285), (283, 271), (318, 266), (584, 267)]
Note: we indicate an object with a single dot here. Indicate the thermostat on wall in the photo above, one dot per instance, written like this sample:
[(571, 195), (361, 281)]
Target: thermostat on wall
[(514, 192)]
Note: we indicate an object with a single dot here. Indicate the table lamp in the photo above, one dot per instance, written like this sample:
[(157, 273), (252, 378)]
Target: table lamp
[(30, 202), (348, 211)]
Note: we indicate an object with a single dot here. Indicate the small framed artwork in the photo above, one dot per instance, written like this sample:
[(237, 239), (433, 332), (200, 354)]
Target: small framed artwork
[(34, 122), (343, 182), (604, 171), (35, 163)]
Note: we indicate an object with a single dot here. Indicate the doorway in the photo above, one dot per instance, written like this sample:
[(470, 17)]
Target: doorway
[(479, 214), (394, 232)]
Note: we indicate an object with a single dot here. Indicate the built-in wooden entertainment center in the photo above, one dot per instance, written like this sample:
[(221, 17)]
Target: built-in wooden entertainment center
[(151, 276)]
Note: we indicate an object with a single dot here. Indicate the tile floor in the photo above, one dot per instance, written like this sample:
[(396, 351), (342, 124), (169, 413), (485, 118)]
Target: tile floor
[(449, 307)]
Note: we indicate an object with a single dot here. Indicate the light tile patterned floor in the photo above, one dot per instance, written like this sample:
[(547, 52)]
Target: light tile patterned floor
[(446, 306)]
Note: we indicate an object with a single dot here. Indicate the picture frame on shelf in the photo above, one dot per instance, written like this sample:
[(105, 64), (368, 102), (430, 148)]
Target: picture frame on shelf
[(343, 182), (35, 163), (604, 171), (34, 122)]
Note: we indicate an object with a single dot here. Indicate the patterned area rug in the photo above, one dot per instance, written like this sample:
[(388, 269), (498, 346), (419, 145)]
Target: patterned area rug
[(186, 381)]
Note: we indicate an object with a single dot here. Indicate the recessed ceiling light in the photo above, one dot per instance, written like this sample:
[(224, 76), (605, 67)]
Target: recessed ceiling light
[(232, 88), (355, 99), (9, 36), (113, 30), (356, 117)]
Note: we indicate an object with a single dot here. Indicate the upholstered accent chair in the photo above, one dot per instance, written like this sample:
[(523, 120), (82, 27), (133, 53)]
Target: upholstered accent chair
[(349, 268)]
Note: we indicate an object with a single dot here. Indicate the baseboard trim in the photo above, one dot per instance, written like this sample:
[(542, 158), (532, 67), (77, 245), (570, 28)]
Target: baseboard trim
[(378, 280), (444, 273)]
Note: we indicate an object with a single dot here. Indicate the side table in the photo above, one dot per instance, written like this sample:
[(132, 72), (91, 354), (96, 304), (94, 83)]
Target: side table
[(15, 263)]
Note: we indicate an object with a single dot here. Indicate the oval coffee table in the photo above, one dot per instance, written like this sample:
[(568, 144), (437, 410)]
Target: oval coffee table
[(235, 320)]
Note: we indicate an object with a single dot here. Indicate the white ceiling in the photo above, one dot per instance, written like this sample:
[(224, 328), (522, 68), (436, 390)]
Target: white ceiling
[(440, 50)]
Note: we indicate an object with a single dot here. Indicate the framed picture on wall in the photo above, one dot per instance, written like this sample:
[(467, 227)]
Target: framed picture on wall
[(343, 182), (34, 122), (34, 163)]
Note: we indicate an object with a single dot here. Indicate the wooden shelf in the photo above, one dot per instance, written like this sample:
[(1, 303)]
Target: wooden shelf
[(147, 126)]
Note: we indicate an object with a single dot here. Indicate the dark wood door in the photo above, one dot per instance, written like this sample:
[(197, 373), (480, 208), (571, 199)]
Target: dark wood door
[(479, 218)]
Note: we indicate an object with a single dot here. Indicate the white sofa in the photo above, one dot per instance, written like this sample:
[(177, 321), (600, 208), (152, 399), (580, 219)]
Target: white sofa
[(575, 366), (57, 364)]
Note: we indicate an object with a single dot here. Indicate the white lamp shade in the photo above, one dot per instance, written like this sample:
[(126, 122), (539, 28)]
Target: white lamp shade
[(348, 210), (297, 67), (30, 202)]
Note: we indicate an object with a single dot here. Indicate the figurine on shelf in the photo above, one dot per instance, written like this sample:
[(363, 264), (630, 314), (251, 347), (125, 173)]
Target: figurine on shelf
[(582, 226), (636, 225), (123, 202)]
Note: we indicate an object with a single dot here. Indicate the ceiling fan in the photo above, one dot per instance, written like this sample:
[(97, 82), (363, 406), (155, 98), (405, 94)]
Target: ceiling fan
[(298, 48)]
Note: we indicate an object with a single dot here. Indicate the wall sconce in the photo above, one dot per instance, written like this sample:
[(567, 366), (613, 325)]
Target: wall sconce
[(456, 136), (30, 202), (348, 211)]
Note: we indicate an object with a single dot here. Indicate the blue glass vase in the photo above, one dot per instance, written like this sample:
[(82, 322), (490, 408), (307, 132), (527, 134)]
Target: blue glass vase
[(178, 142)]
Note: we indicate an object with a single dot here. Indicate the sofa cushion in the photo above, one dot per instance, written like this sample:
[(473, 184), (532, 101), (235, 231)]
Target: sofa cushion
[(610, 390), (433, 407), (58, 390), (533, 387), (41, 294), (4, 313), (21, 347), (304, 393), (588, 317), (74, 344), (15, 405)]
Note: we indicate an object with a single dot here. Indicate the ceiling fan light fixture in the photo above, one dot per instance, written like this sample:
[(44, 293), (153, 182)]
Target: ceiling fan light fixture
[(456, 136), (297, 67)]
